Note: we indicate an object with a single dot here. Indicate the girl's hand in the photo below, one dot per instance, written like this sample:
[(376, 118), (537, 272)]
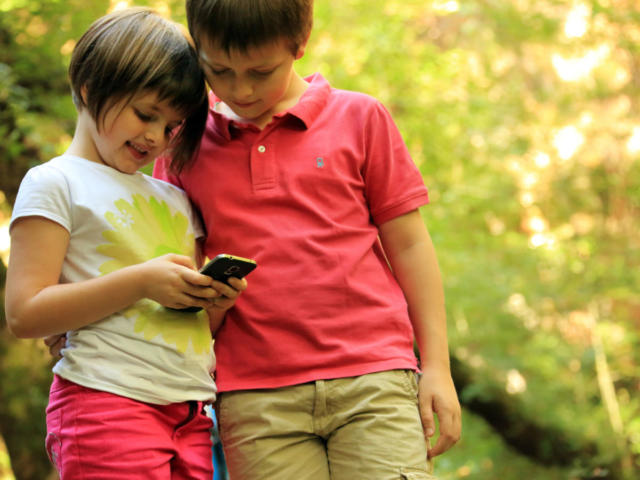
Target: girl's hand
[(173, 281)]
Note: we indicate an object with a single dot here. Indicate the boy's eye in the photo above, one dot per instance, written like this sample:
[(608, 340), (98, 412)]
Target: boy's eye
[(219, 72), (262, 73)]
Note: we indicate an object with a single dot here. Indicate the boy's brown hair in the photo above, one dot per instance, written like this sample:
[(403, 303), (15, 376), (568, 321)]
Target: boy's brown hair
[(243, 24), (136, 51)]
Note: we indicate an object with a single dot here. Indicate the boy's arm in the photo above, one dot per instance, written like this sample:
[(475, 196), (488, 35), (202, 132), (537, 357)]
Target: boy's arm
[(38, 305), (412, 257), (227, 299)]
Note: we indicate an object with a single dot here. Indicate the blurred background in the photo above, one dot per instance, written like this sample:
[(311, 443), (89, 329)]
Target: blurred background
[(523, 118)]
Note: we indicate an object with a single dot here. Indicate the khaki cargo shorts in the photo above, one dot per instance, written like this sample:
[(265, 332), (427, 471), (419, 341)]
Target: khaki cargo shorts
[(365, 427)]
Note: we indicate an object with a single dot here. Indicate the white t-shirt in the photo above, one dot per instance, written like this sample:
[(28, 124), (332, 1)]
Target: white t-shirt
[(145, 352)]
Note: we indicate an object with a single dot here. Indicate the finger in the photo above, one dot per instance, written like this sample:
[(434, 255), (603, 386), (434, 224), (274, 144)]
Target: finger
[(426, 416), (449, 435), (52, 340), (225, 289), (56, 349), (441, 446), (240, 284), (196, 278), (201, 292), (195, 301), (181, 260)]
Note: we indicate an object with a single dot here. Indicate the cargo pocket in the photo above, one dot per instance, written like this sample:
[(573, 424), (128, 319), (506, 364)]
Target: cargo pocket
[(415, 474)]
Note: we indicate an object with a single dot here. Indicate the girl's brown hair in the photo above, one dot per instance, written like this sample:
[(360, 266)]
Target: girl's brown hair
[(136, 51)]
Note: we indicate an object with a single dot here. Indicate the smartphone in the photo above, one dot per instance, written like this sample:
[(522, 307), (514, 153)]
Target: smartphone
[(222, 267)]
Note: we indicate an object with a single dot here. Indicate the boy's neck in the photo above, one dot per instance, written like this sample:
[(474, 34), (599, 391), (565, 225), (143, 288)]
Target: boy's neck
[(297, 88)]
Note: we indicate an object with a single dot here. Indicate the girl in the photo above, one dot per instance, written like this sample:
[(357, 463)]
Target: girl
[(99, 250)]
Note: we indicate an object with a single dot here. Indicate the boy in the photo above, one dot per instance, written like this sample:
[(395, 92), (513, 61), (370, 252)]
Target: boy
[(315, 366)]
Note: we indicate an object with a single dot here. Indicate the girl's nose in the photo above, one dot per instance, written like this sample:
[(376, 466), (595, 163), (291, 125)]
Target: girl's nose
[(155, 134)]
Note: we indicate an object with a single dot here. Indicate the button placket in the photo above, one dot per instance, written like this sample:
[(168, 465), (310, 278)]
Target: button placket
[(262, 167)]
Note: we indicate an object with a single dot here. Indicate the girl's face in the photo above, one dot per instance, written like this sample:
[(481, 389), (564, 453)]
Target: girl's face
[(133, 133)]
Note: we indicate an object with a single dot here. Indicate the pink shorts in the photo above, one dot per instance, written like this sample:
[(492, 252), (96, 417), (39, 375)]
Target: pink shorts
[(94, 435)]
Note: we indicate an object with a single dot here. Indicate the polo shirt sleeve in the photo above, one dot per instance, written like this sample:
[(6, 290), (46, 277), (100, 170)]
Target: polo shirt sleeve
[(393, 183)]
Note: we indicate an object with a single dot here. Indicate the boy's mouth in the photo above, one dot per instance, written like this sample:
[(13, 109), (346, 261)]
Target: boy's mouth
[(245, 104)]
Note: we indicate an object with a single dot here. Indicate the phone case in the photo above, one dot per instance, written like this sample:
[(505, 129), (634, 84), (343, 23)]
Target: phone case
[(224, 266)]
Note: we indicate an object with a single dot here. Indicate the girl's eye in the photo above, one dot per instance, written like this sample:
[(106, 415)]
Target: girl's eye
[(170, 128), (143, 116), (219, 72)]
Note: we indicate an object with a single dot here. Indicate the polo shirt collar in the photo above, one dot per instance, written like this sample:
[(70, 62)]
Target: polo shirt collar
[(306, 110), (313, 100)]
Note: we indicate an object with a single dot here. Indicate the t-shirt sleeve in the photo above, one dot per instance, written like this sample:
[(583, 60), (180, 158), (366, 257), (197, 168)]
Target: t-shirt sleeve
[(394, 185), (44, 192)]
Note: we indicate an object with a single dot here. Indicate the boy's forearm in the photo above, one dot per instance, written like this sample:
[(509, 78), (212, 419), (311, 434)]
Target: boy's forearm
[(216, 317), (414, 262), (419, 276)]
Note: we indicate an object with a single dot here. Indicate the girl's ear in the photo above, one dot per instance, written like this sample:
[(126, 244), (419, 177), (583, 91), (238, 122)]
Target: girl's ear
[(83, 94)]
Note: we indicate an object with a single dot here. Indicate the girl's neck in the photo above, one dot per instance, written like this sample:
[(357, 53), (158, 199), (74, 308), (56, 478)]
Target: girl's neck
[(82, 144)]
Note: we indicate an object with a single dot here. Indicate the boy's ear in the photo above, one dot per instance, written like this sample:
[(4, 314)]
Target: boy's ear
[(302, 47)]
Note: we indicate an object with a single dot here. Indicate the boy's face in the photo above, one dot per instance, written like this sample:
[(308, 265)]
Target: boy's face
[(256, 84)]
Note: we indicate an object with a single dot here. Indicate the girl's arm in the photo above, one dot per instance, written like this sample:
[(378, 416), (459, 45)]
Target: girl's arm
[(412, 257), (38, 305)]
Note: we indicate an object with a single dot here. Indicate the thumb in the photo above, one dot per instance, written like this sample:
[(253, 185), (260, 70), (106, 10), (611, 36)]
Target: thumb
[(181, 260), (428, 421)]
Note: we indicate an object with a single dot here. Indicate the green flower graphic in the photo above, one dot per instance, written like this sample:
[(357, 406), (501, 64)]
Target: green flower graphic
[(142, 230)]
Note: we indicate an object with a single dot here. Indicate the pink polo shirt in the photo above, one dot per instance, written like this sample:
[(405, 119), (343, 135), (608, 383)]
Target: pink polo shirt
[(303, 197)]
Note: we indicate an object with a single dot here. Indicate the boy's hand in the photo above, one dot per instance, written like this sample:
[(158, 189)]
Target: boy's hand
[(56, 343), (228, 294), (437, 394)]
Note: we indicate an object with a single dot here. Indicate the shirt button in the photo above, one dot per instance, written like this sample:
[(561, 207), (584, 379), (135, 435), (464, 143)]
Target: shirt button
[(262, 149)]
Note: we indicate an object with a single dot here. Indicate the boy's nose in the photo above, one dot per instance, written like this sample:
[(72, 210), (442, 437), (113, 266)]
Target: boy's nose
[(242, 89)]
